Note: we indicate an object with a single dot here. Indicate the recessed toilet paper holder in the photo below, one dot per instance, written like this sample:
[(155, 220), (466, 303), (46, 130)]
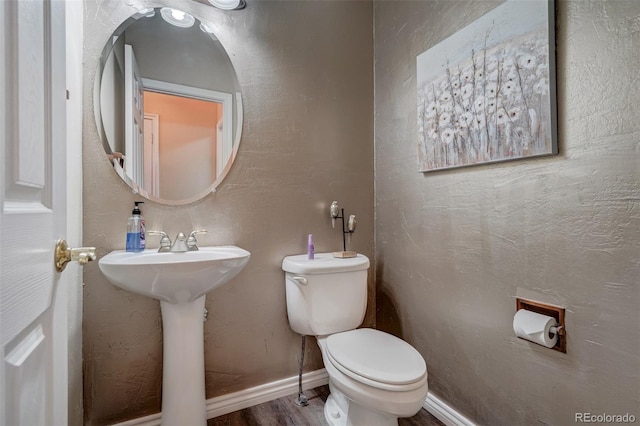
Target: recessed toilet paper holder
[(556, 312)]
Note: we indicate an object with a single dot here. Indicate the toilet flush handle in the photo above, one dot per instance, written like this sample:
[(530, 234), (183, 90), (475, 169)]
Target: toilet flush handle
[(300, 280)]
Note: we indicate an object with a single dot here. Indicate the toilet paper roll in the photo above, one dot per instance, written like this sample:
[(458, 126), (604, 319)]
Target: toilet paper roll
[(535, 327)]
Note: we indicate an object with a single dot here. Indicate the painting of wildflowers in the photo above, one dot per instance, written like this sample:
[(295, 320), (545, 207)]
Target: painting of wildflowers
[(487, 93)]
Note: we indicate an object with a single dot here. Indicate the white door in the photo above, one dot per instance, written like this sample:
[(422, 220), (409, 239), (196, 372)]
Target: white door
[(33, 328), (133, 118), (152, 154)]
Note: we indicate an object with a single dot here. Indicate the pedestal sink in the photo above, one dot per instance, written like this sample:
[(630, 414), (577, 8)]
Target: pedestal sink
[(180, 281)]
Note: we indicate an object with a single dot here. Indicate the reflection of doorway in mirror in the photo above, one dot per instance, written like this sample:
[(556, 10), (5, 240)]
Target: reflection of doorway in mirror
[(187, 143)]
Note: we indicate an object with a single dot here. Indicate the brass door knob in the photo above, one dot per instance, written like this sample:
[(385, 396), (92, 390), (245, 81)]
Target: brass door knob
[(63, 255)]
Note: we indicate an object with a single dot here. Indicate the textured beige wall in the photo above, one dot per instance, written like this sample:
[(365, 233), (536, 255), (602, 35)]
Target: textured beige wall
[(307, 79), (455, 248)]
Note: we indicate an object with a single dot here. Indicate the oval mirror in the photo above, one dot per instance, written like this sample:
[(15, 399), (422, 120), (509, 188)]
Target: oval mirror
[(168, 106)]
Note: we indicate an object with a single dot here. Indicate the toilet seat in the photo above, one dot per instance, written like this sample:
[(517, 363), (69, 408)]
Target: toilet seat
[(377, 359)]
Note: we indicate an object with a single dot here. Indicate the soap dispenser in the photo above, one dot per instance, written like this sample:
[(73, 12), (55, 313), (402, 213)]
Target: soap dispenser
[(135, 230), (310, 248)]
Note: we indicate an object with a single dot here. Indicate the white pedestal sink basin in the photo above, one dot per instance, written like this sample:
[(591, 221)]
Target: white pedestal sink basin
[(180, 281)]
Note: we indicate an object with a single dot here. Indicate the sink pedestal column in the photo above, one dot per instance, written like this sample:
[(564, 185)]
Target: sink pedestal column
[(183, 394)]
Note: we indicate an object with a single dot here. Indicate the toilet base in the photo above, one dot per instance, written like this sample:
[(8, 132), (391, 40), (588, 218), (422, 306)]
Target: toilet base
[(340, 411)]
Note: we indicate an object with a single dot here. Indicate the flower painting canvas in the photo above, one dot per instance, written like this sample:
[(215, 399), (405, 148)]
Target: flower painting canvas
[(487, 93)]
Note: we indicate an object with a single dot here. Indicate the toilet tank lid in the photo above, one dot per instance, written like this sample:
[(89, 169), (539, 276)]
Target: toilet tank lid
[(324, 263)]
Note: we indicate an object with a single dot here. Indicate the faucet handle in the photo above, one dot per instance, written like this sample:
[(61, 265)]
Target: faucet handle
[(165, 241), (200, 231), (192, 243)]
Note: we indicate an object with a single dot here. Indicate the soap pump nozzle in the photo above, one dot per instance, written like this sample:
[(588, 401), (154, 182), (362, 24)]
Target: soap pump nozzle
[(136, 209)]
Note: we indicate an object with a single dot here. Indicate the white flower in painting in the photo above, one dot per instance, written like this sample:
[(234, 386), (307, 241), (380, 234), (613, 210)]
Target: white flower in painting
[(501, 116), (479, 103), (456, 93), (455, 82), (479, 122), (466, 91), (491, 104), (431, 110), (466, 120), (445, 119), (510, 74), (479, 74), (491, 90), (514, 113), (540, 88), (448, 135), (467, 76), (445, 97), (527, 61), (433, 133), (508, 87)]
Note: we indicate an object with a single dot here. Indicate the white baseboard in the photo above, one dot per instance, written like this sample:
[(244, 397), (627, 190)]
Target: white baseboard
[(268, 392), (235, 401), (445, 413)]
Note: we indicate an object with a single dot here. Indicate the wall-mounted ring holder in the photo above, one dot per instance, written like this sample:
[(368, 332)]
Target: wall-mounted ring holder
[(348, 228)]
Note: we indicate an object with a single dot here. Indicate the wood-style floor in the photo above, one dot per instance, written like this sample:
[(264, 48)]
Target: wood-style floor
[(284, 411)]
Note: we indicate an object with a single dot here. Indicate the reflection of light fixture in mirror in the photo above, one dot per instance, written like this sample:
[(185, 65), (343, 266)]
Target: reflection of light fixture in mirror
[(205, 29), (229, 4), (147, 13), (177, 17)]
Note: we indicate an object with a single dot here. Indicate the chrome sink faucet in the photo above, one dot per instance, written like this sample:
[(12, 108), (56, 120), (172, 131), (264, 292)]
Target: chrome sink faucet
[(181, 244)]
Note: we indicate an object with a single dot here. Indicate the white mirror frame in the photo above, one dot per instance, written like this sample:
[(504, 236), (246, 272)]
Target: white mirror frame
[(231, 143)]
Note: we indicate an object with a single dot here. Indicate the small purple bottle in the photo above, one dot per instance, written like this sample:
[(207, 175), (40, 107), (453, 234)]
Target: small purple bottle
[(310, 248)]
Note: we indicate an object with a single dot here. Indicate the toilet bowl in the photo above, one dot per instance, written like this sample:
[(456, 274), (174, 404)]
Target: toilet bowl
[(374, 377), (381, 376)]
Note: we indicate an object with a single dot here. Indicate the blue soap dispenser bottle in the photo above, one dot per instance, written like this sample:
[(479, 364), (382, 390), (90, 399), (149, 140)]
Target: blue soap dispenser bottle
[(135, 230)]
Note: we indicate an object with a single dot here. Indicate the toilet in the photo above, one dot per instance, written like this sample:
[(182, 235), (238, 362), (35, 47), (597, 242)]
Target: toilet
[(374, 377)]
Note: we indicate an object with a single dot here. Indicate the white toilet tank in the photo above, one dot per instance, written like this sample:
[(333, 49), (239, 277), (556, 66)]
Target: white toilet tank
[(325, 295)]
